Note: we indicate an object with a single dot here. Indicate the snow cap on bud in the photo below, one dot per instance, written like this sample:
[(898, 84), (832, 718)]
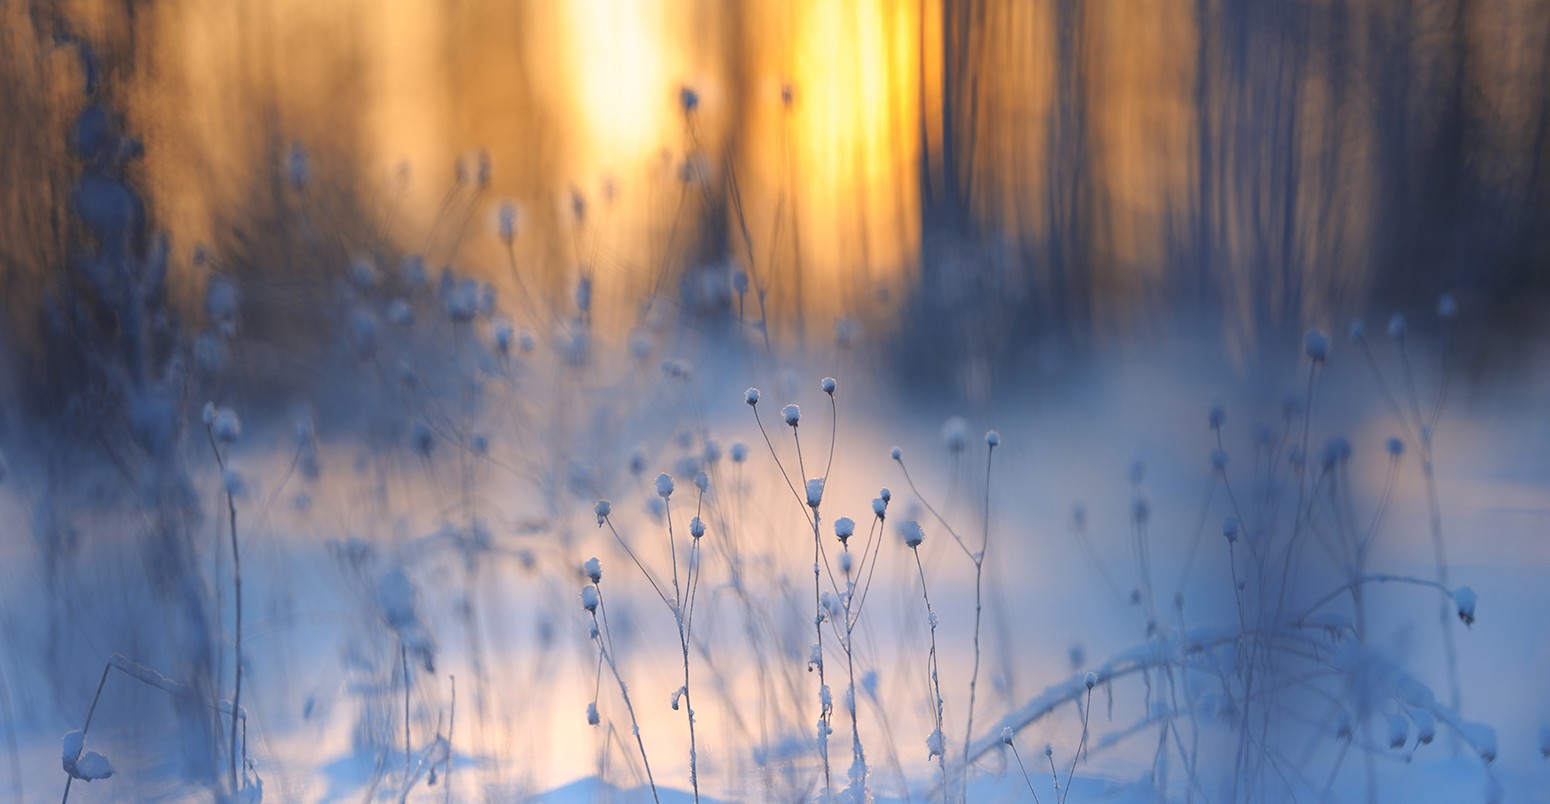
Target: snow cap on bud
[(846, 562), (1092, 680), (955, 433), (992, 439), (844, 528), (792, 414), (589, 598), (896, 454), (1447, 307), (594, 569), (751, 396), (223, 423), (1316, 345), (1395, 446), (592, 716), (702, 481), (1230, 527), (602, 509), (1465, 598), (814, 492), (828, 385), (879, 507), (739, 452), (912, 532), (885, 494), (1006, 735), (696, 527), (664, 485)]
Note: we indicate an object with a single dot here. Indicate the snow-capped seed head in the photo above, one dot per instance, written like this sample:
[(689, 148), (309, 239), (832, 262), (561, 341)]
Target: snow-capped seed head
[(711, 451), (1397, 326), (1447, 307), (1230, 527), (740, 282), (1092, 680), (828, 385), (992, 439), (844, 528), (1395, 446), (739, 452), (912, 532), (885, 495), (696, 527), (815, 492), (592, 717), (935, 743), (1218, 459), (1465, 598), (702, 481), (363, 272), (1049, 750), (504, 335), (224, 425), (1006, 735), (846, 562), (1217, 416), (688, 99), (664, 485), (233, 482), (792, 414), (594, 569), (1316, 345), (400, 314), (751, 396), (589, 598), (879, 507), (955, 434), (1358, 331), (897, 454), (602, 509)]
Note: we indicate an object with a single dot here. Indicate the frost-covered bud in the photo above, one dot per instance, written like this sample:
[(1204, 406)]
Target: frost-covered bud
[(363, 273), (912, 533), (462, 302), (1230, 528), (1358, 331), (525, 341), (207, 414), (412, 271), (792, 414), (400, 314), (421, 438), (844, 528), (1465, 598), (897, 454), (885, 495), (740, 282), (594, 569), (1395, 446), (1397, 326), (1049, 750), (696, 527), (1006, 735), (879, 507), (589, 598), (1447, 307), (828, 385), (592, 718), (739, 452), (503, 335), (1316, 345), (1217, 416), (602, 509), (712, 451), (955, 434), (1092, 680), (688, 99), (664, 485), (1218, 459), (702, 481), (992, 439), (935, 743), (233, 482), (814, 492), (846, 562), (1336, 450), (637, 462), (507, 221), (751, 396), (224, 425)]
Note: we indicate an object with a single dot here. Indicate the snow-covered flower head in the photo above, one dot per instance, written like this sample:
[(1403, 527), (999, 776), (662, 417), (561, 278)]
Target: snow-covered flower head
[(688, 99), (879, 507), (792, 414), (664, 485), (739, 452), (1447, 307), (1316, 345), (814, 492), (1465, 598), (955, 434), (992, 439), (844, 528), (751, 396), (589, 598), (363, 272), (696, 527), (896, 454), (885, 494), (1395, 446), (912, 533), (592, 717), (1006, 735), (702, 481), (593, 569), (224, 425), (828, 384), (1230, 528)]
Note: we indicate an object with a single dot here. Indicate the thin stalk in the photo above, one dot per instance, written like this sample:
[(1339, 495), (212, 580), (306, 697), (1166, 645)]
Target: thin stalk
[(931, 666), (1086, 711)]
